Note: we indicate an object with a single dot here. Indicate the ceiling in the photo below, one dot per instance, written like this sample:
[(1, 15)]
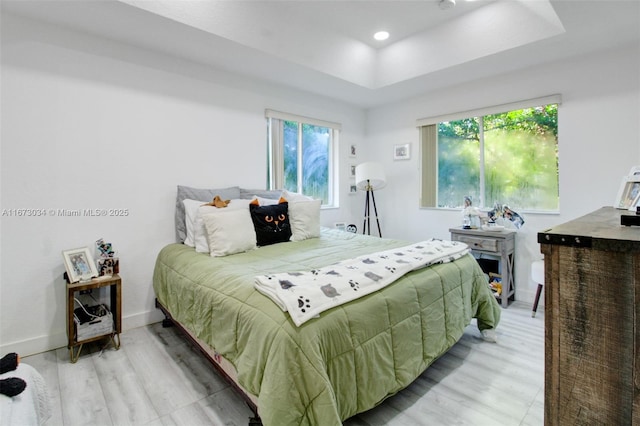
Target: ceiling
[(326, 47)]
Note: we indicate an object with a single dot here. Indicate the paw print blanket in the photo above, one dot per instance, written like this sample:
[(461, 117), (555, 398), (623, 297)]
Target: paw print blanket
[(305, 294)]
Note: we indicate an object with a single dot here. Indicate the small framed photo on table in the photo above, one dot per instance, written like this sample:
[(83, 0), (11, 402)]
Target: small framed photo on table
[(107, 266), (79, 264), (628, 193)]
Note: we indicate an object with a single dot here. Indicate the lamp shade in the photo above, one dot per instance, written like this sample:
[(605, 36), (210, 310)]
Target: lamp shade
[(371, 172)]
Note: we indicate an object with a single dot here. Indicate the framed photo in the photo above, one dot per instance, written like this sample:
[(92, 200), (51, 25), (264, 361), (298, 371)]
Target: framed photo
[(628, 193), (635, 170), (107, 266), (341, 226), (353, 151), (353, 189), (79, 264), (402, 151), (352, 171)]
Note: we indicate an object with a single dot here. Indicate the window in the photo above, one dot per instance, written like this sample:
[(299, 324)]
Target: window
[(499, 155), (301, 155)]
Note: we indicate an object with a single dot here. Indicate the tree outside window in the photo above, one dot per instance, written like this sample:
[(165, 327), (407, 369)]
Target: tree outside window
[(507, 158), (301, 154), (306, 159)]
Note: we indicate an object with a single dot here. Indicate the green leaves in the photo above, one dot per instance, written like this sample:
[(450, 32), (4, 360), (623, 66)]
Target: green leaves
[(520, 159)]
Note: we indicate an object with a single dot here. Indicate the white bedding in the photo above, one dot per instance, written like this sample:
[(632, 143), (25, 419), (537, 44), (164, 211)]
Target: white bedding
[(305, 294), (32, 406)]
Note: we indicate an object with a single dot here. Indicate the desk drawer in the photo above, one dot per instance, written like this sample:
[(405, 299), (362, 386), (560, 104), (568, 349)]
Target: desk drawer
[(479, 243)]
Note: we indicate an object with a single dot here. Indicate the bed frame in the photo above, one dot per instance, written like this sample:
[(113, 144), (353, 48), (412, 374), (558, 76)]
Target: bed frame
[(221, 365)]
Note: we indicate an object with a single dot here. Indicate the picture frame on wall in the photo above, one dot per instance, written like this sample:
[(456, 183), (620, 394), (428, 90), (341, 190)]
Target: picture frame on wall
[(353, 151), (628, 193), (352, 171), (402, 151), (353, 189), (79, 264)]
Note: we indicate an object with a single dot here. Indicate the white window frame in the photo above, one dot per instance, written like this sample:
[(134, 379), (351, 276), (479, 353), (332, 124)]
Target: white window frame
[(427, 128), (275, 169)]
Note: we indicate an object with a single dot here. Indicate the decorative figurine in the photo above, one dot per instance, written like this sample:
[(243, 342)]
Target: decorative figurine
[(470, 215)]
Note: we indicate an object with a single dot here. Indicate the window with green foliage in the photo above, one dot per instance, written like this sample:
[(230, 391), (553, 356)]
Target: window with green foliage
[(507, 158), (301, 155)]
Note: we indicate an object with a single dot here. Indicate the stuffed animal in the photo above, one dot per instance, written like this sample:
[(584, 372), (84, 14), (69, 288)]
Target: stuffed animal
[(218, 202), (496, 287), (11, 386)]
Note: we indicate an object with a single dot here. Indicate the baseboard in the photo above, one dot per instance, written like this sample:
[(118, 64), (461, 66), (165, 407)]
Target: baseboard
[(524, 295), (141, 319), (46, 343), (35, 345), (527, 296)]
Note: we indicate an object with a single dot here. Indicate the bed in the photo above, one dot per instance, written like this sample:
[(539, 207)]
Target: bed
[(341, 362)]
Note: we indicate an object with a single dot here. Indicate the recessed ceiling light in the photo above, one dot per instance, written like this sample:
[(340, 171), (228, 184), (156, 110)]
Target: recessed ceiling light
[(381, 35), (446, 4)]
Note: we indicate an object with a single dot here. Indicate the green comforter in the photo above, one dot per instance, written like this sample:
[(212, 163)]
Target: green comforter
[(344, 362)]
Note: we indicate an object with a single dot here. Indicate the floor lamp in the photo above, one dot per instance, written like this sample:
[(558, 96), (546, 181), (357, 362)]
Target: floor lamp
[(369, 177)]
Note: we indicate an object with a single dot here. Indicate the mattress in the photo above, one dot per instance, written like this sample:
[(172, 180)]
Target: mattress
[(349, 358)]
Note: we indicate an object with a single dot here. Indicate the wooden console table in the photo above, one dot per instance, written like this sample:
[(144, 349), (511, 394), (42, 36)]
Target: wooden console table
[(592, 310), (495, 245)]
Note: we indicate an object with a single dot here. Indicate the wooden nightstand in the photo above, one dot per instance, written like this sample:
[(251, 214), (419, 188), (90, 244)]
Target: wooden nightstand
[(493, 245), (114, 283)]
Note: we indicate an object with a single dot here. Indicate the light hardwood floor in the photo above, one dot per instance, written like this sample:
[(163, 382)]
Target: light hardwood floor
[(157, 378)]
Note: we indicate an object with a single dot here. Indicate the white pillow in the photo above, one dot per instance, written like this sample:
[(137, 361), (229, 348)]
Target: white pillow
[(191, 211), (229, 232), (304, 218), (295, 196), (200, 233), (266, 201)]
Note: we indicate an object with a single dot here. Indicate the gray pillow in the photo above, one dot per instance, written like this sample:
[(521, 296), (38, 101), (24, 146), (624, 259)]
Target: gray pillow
[(205, 195), (248, 194)]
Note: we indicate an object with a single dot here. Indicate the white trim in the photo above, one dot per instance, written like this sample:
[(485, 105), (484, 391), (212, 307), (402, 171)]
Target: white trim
[(275, 154), (496, 109), (59, 339), (269, 113)]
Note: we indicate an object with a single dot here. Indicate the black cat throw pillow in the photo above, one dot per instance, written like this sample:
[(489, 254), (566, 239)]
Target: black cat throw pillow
[(271, 222)]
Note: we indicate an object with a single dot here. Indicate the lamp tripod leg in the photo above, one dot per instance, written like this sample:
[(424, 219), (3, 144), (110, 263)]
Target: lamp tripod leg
[(366, 214), (364, 223), (375, 209)]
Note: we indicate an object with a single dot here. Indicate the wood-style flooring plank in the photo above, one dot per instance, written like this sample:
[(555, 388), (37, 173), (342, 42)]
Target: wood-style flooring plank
[(188, 359), (124, 393), (164, 381), (225, 407), (192, 414), (82, 399), (158, 379)]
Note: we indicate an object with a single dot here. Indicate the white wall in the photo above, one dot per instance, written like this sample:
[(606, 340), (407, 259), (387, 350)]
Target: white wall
[(92, 124), (599, 140)]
